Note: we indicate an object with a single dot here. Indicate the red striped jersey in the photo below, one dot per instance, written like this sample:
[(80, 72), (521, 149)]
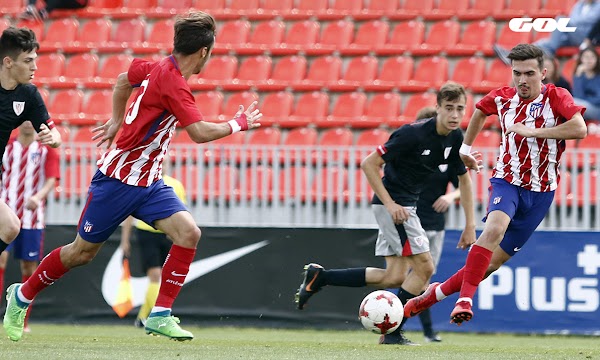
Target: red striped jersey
[(532, 163), (163, 99), (24, 172)]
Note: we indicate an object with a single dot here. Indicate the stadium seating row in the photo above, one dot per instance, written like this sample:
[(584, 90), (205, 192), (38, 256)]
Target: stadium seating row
[(321, 9), (237, 36)]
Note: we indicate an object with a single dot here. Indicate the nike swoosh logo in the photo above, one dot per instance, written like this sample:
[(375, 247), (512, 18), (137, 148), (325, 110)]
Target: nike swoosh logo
[(309, 285), (176, 274), (113, 272), (31, 254), (516, 249)]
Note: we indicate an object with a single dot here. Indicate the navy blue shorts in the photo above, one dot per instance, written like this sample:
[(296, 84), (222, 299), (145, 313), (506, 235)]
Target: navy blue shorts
[(110, 201), (27, 245), (526, 209)]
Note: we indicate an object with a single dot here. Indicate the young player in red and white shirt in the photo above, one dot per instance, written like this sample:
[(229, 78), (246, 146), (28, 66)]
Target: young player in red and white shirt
[(535, 119), (30, 171), (128, 181)]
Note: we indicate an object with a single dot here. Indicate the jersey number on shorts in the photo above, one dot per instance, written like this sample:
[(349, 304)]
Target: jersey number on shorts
[(135, 107)]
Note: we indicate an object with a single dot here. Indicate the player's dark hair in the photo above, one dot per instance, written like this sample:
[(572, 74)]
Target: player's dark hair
[(426, 113), (193, 31), (593, 52), (451, 91), (15, 41), (523, 52)]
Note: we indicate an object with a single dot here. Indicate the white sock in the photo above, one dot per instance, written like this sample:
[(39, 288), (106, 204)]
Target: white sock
[(469, 300), (22, 297), (157, 309), (439, 295)]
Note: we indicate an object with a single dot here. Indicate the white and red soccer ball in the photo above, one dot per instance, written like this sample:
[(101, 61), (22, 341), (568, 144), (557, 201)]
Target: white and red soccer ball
[(381, 312)]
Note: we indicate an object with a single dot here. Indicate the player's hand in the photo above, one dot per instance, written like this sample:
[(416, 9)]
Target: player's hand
[(32, 203), (398, 212), (249, 118), (474, 161), (442, 204), (106, 133), (522, 130), (47, 137), (467, 238)]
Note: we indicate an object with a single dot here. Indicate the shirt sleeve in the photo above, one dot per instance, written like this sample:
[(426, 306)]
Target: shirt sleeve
[(180, 102), (138, 70), (51, 167), (37, 112), (564, 105), (400, 142), (488, 103)]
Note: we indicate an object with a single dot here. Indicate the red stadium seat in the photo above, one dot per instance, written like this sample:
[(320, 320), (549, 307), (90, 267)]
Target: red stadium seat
[(348, 108), (477, 37), (128, 35), (332, 146), (84, 146), (412, 9), (553, 8), (376, 9), (368, 141), (341, 9), (311, 107), (498, 75), (214, 7), (414, 103), (11, 7), (233, 102), (336, 35), (301, 35), (431, 72), (329, 184), (209, 103), (488, 140), (293, 183), (112, 66), (36, 26), (383, 108), (442, 36), (404, 37), (190, 179), (160, 38), (274, 8), (266, 36), (322, 72), (361, 71), (564, 187), (276, 107), (233, 35), (260, 146), (133, 8), (519, 8), (446, 9), (216, 154), (79, 69), (395, 71), (4, 24), (93, 34), (66, 105), (218, 71), (296, 146), (252, 71), (49, 68), (591, 144), (256, 183), (509, 38), (75, 181), (305, 9), (97, 108), (220, 182), (60, 33), (370, 36), (469, 71), (481, 9), (242, 8), (169, 8), (287, 71)]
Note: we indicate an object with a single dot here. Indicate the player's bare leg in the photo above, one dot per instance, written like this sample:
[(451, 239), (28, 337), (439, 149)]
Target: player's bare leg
[(9, 226)]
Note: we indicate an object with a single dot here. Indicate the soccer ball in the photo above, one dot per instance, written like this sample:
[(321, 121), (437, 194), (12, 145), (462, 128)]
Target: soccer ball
[(381, 312)]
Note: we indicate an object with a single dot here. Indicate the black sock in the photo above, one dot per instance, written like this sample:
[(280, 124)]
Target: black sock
[(354, 277), (3, 246), (404, 296), (425, 317)]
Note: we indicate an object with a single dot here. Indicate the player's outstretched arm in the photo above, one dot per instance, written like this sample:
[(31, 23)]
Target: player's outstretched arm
[(49, 137), (575, 128), (202, 131), (475, 125), (465, 186), (108, 131)]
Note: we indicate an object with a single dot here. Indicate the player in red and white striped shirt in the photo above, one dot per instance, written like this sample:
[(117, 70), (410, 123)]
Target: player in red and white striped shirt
[(30, 171), (128, 181), (535, 120)]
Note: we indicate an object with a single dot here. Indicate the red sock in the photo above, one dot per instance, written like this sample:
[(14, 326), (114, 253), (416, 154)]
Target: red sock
[(1, 284), (477, 264), (24, 278), (174, 271), (453, 284), (49, 270)]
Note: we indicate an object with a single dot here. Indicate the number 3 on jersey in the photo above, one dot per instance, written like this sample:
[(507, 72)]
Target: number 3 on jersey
[(135, 107)]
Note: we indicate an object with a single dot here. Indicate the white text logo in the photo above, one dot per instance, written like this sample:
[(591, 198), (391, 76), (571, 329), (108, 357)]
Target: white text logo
[(540, 25)]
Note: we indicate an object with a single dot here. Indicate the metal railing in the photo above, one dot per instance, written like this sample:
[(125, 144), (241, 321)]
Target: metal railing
[(274, 186)]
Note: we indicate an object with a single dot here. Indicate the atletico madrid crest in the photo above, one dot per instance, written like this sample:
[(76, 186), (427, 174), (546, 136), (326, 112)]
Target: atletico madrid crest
[(535, 110)]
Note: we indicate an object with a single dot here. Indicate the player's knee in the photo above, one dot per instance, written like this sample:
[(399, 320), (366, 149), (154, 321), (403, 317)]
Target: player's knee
[(190, 237), (12, 230)]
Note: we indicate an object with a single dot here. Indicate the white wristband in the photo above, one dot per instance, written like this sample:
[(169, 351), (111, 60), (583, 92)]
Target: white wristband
[(465, 149), (235, 127)]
